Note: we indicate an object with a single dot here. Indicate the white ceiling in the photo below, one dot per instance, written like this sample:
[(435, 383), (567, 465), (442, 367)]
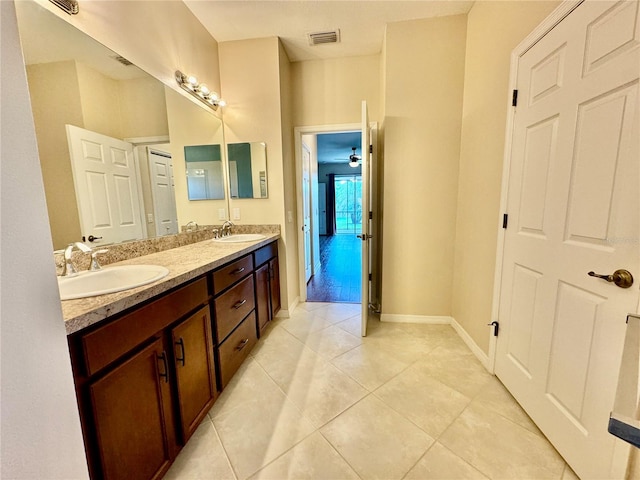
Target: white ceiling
[(361, 22), (336, 147)]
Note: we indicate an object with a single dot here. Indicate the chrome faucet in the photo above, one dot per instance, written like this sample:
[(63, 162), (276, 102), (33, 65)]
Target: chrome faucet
[(69, 267), (191, 226), (95, 265), (226, 228)]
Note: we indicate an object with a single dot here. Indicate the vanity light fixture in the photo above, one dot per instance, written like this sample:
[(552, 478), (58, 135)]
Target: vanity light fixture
[(190, 84), (69, 6)]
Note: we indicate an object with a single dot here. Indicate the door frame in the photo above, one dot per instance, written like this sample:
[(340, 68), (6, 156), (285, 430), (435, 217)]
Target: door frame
[(298, 132), (548, 24)]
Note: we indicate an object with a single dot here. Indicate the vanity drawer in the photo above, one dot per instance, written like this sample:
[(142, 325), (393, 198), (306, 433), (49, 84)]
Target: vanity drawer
[(265, 253), (232, 273), (106, 344), (235, 349), (232, 306)]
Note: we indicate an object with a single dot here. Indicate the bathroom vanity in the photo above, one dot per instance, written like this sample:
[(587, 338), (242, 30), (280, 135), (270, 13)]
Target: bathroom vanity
[(150, 362)]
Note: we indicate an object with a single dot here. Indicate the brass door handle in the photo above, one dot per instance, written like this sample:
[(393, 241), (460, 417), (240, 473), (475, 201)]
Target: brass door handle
[(622, 278)]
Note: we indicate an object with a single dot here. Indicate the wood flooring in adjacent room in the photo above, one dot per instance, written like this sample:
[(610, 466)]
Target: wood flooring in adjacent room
[(338, 279)]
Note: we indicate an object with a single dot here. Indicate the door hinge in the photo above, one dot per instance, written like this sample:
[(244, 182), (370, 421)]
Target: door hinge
[(496, 327), (370, 277), (370, 148), (514, 98), (505, 220), (370, 215)]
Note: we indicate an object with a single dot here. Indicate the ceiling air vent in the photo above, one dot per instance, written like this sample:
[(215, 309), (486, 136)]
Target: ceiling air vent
[(319, 38), (123, 61)]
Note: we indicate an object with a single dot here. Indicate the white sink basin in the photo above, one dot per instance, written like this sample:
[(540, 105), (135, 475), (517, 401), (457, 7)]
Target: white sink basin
[(240, 237), (109, 280)]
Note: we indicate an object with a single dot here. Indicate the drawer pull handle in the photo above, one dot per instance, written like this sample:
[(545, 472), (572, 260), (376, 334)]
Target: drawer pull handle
[(181, 344), (165, 375), (239, 304), (242, 344), (237, 271)]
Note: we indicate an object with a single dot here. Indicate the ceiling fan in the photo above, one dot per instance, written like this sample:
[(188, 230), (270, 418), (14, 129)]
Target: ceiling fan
[(354, 160)]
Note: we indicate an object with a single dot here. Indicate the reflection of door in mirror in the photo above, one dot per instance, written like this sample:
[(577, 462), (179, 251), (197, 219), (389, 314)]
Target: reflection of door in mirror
[(77, 81), (162, 191), (107, 187)]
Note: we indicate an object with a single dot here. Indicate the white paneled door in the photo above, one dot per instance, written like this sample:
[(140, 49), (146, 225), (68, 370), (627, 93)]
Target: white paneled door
[(163, 192), (573, 206), (107, 186), (306, 210), (365, 234)]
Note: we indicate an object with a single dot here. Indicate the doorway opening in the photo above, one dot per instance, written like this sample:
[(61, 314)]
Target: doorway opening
[(332, 215), (360, 253), (338, 279)]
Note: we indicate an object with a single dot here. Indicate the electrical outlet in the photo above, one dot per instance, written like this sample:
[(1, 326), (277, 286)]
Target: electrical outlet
[(149, 217), (222, 214), (290, 216), (236, 214)]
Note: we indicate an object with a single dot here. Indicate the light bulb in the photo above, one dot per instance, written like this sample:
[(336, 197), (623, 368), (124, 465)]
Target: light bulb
[(221, 103), (204, 90), (191, 80)]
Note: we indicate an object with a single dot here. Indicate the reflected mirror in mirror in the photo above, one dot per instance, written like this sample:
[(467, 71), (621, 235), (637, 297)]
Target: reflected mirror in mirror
[(247, 170), (76, 81), (204, 172)]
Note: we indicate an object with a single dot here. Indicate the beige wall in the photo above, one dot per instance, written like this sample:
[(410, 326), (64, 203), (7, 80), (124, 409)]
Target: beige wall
[(53, 107), (100, 100), (328, 92), (258, 111), (494, 29), (290, 231), (143, 108), (424, 73)]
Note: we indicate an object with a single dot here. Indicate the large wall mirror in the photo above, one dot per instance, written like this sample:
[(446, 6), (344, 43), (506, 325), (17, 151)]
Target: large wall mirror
[(117, 147)]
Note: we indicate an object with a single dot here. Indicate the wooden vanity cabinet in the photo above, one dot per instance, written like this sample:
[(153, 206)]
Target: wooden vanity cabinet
[(267, 280), (146, 378), (144, 381), (235, 319), (194, 369), (130, 406)]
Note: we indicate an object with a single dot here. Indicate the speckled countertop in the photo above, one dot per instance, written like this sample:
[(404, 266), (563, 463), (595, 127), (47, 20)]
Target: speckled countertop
[(184, 263)]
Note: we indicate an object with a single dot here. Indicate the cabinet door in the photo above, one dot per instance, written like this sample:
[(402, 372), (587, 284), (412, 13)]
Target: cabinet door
[(195, 369), (274, 274), (129, 406), (263, 307)]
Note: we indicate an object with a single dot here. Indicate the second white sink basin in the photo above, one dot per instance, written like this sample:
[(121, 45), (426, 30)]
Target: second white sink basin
[(240, 237), (109, 280)]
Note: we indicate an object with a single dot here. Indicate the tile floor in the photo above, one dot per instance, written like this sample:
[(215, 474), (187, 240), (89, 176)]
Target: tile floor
[(317, 401)]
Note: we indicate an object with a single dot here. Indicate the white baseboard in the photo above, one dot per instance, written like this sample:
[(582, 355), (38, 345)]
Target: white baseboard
[(473, 346), (441, 320), (427, 319), (287, 313)]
